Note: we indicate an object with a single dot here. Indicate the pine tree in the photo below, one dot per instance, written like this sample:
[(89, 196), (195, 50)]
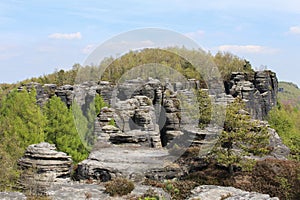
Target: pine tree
[(21, 116), (61, 130), (21, 124), (241, 136)]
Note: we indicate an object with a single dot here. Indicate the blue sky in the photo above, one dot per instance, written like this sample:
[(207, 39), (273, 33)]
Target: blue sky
[(39, 36)]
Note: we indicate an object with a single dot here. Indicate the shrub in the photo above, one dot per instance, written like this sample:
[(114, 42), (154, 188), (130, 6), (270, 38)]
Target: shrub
[(119, 186), (279, 178)]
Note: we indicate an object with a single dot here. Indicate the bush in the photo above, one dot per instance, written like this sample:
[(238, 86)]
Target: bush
[(178, 190), (119, 186), (279, 178)]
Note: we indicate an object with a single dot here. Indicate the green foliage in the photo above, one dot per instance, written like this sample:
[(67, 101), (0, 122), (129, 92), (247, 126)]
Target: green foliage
[(205, 108), (119, 186), (8, 163), (99, 103), (89, 123), (228, 63), (285, 119), (61, 130), (59, 77), (150, 194), (21, 124), (241, 133), (21, 115), (171, 188), (178, 189)]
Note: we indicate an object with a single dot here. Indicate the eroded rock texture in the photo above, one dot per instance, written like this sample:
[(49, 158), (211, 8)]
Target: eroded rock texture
[(259, 90), (213, 192), (43, 165)]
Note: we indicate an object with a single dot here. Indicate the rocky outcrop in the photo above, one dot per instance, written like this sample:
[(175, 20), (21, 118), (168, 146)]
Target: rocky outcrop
[(259, 90), (212, 192), (43, 165)]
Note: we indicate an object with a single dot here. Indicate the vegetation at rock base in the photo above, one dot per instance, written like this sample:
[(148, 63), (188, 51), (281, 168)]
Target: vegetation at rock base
[(178, 189), (119, 187), (21, 123), (285, 120), (278, 178)]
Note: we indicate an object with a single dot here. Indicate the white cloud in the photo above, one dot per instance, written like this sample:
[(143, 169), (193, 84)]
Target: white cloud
[(196, 34), (67, 36), (295, 30), (247, 49)]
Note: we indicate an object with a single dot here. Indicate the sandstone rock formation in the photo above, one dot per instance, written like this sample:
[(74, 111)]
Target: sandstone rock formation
[(212, 192), (43, 165), (259, 90)]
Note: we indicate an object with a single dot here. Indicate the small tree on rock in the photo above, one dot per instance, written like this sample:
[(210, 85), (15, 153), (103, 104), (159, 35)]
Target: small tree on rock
[(241, 136)]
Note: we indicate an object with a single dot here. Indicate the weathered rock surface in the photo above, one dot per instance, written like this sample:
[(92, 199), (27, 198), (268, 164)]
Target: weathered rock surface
[(258, 90), (212, 192), (43, 165), (126, 161), (279, 150), (12, 196), (80, 191)]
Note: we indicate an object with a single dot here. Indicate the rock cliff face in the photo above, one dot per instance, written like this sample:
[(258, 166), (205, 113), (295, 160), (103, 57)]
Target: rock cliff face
[(259, 90), (43, 165), (150, 113)]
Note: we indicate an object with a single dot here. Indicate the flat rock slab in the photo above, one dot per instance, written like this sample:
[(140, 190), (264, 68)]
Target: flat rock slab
[(213, 192), (126, 161), (81, 191)]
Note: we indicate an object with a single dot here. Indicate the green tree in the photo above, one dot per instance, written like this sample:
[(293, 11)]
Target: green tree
[(228, 63), (241, 136), (99, 103), (61, 129), (21, 124), (205, 108), (21, 116)]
